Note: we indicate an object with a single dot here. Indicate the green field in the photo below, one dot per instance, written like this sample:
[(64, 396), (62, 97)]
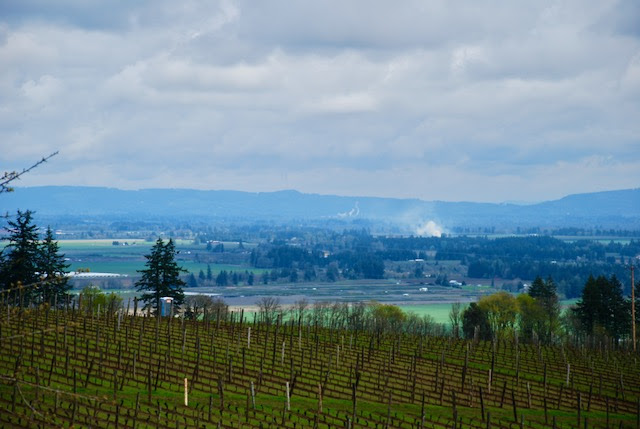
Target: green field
[(439, 311), (103, 257)]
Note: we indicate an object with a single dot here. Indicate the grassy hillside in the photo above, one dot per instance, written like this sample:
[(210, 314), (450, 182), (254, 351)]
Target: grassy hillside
[(66, 368)]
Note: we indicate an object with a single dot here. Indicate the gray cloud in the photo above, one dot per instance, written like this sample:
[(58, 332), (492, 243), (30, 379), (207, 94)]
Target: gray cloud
[(435, 100)]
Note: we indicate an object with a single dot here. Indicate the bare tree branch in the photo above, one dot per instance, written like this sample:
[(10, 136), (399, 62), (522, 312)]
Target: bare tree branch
[(10, 176)]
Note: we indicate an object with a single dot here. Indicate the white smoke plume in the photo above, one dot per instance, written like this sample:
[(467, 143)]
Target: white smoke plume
[(429, 229), (351, 213)]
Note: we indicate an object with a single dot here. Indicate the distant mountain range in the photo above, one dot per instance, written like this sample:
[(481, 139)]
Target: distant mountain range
[(602, 210)]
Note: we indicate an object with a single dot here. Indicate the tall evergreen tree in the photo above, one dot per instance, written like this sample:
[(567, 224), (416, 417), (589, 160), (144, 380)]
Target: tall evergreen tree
[(53, 269), (602, 308), (161, 277), (222, 278), (474, 318), (21, 256), (546, 297)]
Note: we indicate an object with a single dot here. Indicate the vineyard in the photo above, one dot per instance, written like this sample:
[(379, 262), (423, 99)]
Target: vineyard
[(69, 368)]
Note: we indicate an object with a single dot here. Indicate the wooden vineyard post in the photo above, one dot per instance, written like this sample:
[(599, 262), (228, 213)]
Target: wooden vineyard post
[(481, 402), (246, 410), (454, 408), (515, 408), (253, 396), (579, 408), (560, 397), (464, 369), (489, 382), (288, 398), (389, 410), (320, 398), (518, 362), (249, 338), (186, 392), (568, 373), (422, 416), (221, 393), (354, 400), (14, 397), (37, 383), (149, 385), (210, 407)]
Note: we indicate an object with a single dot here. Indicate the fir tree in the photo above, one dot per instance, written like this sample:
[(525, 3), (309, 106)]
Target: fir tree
[(161, 277), (21, 256), (52, 269), (191, 280), (474, 318), (602, 308), (546, 297), (222, 279)]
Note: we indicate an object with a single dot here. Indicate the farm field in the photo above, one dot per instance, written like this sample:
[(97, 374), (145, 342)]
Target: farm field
[(128, 256), (64, 368), (439, 311)]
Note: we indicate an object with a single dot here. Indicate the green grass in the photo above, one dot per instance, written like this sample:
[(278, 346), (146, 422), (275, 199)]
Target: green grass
[(102, 256), (568, 302), (439, 311)]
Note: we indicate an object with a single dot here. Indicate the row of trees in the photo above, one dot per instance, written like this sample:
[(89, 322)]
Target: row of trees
[(34, 266), (531, 315), (358, 316), (603, 310), (350, 263), (536, 315)]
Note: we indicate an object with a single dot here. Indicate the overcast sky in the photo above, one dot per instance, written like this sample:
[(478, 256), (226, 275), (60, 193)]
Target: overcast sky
[(449, 100)]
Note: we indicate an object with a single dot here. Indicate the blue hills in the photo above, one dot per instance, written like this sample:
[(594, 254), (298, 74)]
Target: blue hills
[(610, 209)]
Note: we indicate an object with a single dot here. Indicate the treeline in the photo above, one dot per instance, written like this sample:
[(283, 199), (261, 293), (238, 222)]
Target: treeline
[(359, 316), (347, 263), (570, 275), (357, 254), (602, 312)]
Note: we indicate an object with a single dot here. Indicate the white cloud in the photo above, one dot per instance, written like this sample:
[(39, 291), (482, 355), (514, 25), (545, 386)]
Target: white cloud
[(435, 99), (43, 90)]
